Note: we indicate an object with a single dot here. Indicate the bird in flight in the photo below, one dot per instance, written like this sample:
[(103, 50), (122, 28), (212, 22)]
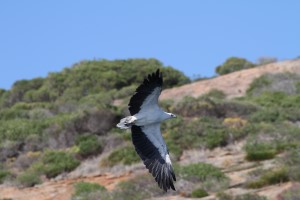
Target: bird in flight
[(145, 119)]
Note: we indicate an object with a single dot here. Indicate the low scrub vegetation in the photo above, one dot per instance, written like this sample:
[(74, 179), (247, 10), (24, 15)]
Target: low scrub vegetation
[(28, 179), (260, 151), (201, 172), (74, 114), (88, 145), (72, 110), (90, 191), (4, 174), (280, 82), (291, 161), (233, 64), (145, 186), (274, 176), (124, 155), (291, 194), (199, 193), (53, 163)]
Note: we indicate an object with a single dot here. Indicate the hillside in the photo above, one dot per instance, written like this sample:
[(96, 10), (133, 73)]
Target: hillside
[(234, 84), (58, 141)]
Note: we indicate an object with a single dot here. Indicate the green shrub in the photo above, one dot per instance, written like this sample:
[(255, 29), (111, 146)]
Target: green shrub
[(28, 179), (209, 132), (196, 107), (54, 163), (201, 172), (167, 105), (260, 151), (267, 115), (19, 129), (140, 188), (270, 99), (215, 138), (24, 161), (212, 178), (128, 191), (124, 155), (100, 101), (291, 194), (279, 82), (3, 175), (9, 149), (12, 113), (88, 145), (291, 161), (186, 136), (214, 94), (258, 83), (213, 104), (40, 113), (34, 143), (98, 76), (297, 85), (125, 92), (84, 187), (233, 64), (21, 87), (268, 139), (276, 176), (269, 178), (276, 106), (199, 193), (89, 191), (199, 132), (177, 139), (237, 108)]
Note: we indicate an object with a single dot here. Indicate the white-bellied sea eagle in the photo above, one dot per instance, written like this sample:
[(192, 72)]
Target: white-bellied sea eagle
[(145, 119)]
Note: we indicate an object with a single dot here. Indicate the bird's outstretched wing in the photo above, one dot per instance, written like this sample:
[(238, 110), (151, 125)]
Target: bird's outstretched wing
[(152, 149), (146, 95)]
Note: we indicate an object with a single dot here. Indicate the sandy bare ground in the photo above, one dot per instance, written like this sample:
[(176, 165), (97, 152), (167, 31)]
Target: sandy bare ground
[(234, 84), (59, 190)]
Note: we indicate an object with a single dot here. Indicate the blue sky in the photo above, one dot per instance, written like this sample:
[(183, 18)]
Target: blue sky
[(37, 37)]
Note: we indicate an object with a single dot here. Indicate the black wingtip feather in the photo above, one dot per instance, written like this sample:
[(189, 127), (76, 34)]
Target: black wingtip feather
[(150, 82), (161, 170)]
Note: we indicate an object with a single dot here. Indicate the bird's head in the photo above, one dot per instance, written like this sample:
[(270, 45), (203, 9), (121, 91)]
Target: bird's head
[(172, 115)]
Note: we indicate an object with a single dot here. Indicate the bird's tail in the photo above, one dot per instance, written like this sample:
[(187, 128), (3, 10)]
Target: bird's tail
[(126, 122)]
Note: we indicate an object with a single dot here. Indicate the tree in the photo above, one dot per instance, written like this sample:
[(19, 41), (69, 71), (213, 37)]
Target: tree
[(233, 64)]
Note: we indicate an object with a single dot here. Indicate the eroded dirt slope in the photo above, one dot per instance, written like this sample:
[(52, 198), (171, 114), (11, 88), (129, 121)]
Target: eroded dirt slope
[(59, 190), (230, 159)]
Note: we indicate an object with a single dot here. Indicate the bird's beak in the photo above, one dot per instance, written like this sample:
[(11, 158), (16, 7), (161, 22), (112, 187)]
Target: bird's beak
[(174, 116)]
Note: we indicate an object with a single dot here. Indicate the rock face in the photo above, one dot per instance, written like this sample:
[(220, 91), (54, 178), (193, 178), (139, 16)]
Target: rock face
[(234, 84)]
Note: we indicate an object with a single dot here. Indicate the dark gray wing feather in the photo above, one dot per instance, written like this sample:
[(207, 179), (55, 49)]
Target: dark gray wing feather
[(153, 152), (152, 84)]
